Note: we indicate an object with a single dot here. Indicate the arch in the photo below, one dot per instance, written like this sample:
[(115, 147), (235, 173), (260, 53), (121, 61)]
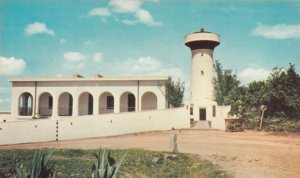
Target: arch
[(25, 104), (149, 101), (106, 103), (127, 102), (65, 104), (45, 104), (85, 104)]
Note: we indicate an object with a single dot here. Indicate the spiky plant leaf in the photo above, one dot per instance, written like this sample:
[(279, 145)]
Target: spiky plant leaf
[(117, 166), (20, 173)]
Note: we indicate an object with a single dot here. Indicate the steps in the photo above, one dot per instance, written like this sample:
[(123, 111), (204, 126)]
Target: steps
[(202, 125)]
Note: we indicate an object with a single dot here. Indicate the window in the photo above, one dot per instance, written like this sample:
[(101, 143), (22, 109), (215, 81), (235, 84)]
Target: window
[(202, 73), (25, 104), (191, 111), (50, 104), (214, 110), (110, 102)]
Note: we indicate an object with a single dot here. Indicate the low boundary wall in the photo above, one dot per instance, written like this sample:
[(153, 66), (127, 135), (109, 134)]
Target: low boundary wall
[(65, 128), (27, 131)]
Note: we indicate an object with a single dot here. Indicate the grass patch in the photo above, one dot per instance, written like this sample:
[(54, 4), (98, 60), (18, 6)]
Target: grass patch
[(138, 163)]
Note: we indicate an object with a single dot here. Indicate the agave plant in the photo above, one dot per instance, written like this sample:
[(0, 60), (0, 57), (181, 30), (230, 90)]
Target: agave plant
[(109, 169), (40, 167)]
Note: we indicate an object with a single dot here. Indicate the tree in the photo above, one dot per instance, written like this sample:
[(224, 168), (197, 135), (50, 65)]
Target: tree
[(175, 92), (280, 93), (225, 82), (285, 93)]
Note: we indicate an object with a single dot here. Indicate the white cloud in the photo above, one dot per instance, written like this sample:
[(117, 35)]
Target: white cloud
[(250, 74), (133, 7), (122, 6), (102, 12), (148, 66), (280, 31), (97, 57), (11, 66), (38, 28), (145, 17), (73, 56), (129, 22), (63, 41)]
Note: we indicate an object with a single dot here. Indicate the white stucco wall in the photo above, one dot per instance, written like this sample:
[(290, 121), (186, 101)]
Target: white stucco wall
[(123, 123), (92, 126), (219, 121), (202, 76), (27, 131), (5, 116)]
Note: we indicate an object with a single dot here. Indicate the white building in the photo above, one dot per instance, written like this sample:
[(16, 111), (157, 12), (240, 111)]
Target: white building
[(77, 96), (62, 108)]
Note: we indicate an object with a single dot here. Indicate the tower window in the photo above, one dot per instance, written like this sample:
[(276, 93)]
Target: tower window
[(202, 72), (191, 111)]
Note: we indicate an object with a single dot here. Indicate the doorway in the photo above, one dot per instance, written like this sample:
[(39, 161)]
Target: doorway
[(202, 114), (131, 102)]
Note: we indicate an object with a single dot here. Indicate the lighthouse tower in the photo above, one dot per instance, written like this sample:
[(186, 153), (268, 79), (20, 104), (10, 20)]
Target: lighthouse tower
[(202, 45)]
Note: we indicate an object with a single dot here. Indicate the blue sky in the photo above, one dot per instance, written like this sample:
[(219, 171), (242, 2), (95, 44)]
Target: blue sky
[(142, 37)]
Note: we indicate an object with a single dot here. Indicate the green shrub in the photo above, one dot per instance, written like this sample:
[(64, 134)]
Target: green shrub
[(281, 124)]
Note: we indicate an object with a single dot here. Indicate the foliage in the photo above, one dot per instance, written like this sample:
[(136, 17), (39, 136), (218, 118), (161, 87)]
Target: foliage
[(40, 167), (175, 91), (281, 124), (280, 93), (284, 93), (225, 82), (108, 170), (138, 163)]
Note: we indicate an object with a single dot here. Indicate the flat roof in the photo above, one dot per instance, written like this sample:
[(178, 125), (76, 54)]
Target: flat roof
[(72, 79)]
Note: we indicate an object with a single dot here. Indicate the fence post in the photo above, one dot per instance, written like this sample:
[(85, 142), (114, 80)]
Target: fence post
[(173, 143)]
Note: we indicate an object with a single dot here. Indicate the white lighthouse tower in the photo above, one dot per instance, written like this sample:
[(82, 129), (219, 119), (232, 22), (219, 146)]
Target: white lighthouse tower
[(202, 102)]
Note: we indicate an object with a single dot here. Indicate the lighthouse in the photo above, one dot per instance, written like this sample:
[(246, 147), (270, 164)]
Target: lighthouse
[(202, 102)]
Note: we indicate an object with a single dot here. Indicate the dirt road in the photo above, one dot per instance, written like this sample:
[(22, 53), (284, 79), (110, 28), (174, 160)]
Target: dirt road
[(244, 154)]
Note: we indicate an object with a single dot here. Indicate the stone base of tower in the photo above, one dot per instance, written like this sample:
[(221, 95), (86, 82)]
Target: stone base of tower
[(208, 113)]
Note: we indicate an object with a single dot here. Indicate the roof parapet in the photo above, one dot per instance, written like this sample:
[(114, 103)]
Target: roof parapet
[(77, 76), (98, 75)]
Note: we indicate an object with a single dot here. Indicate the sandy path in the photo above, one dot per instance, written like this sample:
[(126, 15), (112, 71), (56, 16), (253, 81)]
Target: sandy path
[(245, 154)]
